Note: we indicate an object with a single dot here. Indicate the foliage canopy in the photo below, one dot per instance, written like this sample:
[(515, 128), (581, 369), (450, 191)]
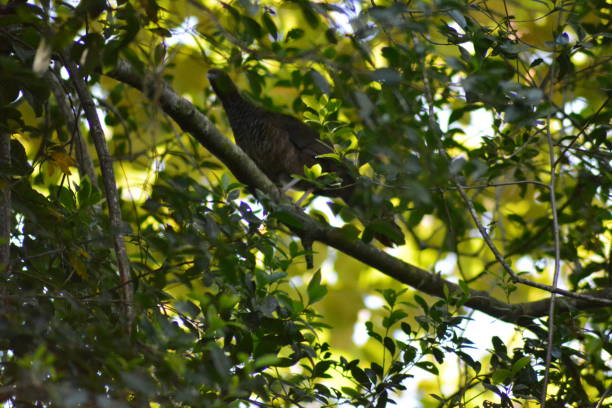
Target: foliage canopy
[(147, 262)]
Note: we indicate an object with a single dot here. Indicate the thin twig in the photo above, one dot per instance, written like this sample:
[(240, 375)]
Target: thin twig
[(592, 152), (567, 147), (446, 188), (556, 233), (255, 53), (484, 233), (501, 259), (110, 186), (603, 397), (85, 164), (5, 205), (503, 184)]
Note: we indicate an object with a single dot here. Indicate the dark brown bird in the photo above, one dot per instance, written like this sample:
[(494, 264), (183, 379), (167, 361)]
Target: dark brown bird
[(281, 145)]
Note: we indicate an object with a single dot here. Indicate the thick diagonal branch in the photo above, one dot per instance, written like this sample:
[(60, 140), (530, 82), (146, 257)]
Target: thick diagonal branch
[(110, 186), (199, 126)]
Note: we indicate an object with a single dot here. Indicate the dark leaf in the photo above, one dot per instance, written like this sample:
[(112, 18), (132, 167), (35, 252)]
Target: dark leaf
[(360, 376), (316, 291), (428, 366)]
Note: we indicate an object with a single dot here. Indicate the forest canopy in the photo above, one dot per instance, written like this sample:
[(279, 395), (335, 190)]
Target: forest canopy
[(148, 260)]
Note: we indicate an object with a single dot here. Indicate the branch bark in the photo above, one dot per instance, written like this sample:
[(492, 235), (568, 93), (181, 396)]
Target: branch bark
[(191, 120), (110, 186), (5, 205), (556, 234)]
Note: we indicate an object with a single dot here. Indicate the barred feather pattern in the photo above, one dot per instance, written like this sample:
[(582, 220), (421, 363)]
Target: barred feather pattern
[(279, 144), (266, 145)]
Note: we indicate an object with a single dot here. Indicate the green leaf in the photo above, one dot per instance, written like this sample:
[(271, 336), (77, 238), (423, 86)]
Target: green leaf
[(517, 218), (422, 303), (93, 8), (389, 345), (499, 346), (428, 366), (316, 291), (457, 114), (321, 368), (501, 375), (95, 47), (392, 55), (361, 377), (464, 287), (469, 361), (252, 27), (309, 13), (220, 361), (393, 318), (389, 295), (520, 364), (270, 26), (410, 353), (386, 228), (458, 17), (19, 160), (266, 360), (372, 333), (438, 354), (330, 34), (294, 34), (387, 76), (320, 81), (255, 81), (406, 328), (513, 48)]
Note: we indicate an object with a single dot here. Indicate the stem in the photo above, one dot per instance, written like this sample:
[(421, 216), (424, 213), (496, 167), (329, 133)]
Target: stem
[(5, 205), (553, 208), (110, 186), (86, 167)]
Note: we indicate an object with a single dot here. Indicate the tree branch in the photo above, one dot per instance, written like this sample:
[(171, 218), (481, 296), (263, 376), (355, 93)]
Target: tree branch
[(85, 165), (556, 233), (110, 186), (498, 256), (191, 120), (5, 204), (580, 133)]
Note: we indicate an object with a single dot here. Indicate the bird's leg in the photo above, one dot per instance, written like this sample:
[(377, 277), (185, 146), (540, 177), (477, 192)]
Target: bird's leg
[(308, 254), (290, 184), (303, 197)]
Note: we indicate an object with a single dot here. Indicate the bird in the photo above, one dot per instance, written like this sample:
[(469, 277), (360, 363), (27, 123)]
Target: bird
[(281, 145)]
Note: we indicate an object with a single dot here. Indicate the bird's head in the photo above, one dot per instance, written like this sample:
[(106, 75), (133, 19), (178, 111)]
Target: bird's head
[(221, 83)]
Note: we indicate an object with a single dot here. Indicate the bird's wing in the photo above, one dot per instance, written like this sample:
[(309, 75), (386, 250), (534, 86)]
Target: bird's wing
[(302, 136), (306, 147)]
